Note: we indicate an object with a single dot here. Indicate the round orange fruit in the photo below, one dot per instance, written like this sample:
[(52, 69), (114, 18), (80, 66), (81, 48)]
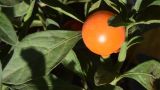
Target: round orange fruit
[(99, 36)]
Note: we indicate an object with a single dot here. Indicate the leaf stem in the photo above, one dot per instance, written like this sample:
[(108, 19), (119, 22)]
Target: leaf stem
[(114, 82)]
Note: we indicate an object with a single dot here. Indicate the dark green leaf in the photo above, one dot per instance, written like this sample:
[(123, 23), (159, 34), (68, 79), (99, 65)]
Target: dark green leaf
[(29, 11), (112, 5), (7, 32), (117, 21), (108, 87), (145, 73), (106, 72), (142, 5), (47, 83), (72, 63), (60, 8), (134, 40), (76, 1), (0, 75), (37, 54)]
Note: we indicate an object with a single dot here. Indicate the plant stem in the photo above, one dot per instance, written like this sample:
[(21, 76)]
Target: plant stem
[(114, 82)]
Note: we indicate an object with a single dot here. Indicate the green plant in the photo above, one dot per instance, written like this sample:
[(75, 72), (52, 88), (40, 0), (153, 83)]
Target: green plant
[(38, 53)]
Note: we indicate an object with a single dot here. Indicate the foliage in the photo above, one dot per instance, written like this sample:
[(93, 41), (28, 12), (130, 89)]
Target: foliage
[(38, 53)]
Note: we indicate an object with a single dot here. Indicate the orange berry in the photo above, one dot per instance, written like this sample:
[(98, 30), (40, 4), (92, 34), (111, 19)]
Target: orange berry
[(99, 36)]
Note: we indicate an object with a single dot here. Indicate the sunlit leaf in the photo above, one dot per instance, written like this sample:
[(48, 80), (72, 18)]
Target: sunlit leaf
[(51, 22), (37, 54), (7, 3), (123, 52), (124, 2), (46, 83), (4, 87), (29, 11), (145, 73), (137, 5), (7, 32), (95, 5), (154, 3), (20, 9)]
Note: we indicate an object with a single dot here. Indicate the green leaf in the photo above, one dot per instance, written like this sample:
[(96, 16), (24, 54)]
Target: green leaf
[(105, 72), (76, 1), (133, 29), (4, 87), (36, 23), (112, 5), (141, 5), (143, 23), (51, 22), (37, 54), (108, 87), (86, 8), (149, 22), (134, 40), (29, 11), (20, 9), (7, 32), (95, 5), (46, 83), (72, 63), (6, 3), (123, 52), (117, 21), (124, 2), (17, 10), (60, 8), (154, 3), (145, 73), (153, 22), (137, 5)]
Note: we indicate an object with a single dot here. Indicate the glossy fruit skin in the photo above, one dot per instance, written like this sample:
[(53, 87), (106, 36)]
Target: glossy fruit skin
[(101, 38)]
